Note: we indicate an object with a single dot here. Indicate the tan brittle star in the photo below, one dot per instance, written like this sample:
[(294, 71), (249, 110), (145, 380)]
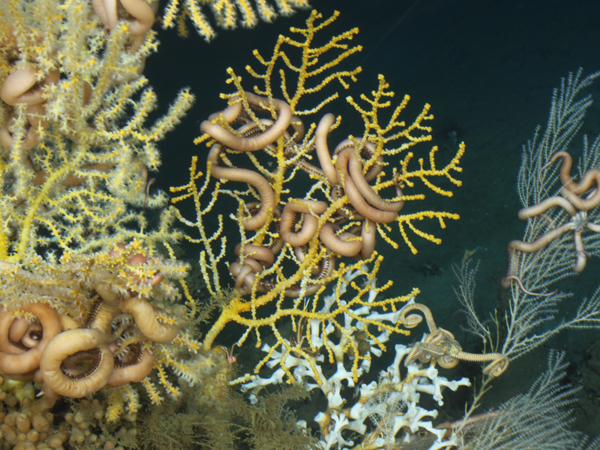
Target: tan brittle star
[(439, 346), (574, 205)]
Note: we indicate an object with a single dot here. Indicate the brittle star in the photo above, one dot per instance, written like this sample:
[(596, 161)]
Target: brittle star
[(439, 346), (574, 205)]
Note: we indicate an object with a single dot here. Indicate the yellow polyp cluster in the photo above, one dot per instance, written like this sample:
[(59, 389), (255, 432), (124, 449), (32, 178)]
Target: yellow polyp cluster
[(293, 285), (382, 135), (228, 14), (73, 188), (155, 397), (131, 397), (122, 400), (116, 406), (79, 265), (309, 70)]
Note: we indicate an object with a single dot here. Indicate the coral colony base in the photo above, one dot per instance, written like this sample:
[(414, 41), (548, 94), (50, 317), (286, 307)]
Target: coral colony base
[(96, 302)]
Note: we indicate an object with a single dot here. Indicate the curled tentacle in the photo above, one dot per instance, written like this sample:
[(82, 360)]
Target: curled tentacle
[(79, 344), (28, 360)]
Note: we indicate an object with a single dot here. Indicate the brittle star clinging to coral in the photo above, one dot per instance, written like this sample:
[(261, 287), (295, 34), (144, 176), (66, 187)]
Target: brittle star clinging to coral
[(573, 204)]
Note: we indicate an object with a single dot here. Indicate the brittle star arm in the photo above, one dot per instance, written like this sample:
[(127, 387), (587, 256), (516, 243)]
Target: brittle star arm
[(542, 241)]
